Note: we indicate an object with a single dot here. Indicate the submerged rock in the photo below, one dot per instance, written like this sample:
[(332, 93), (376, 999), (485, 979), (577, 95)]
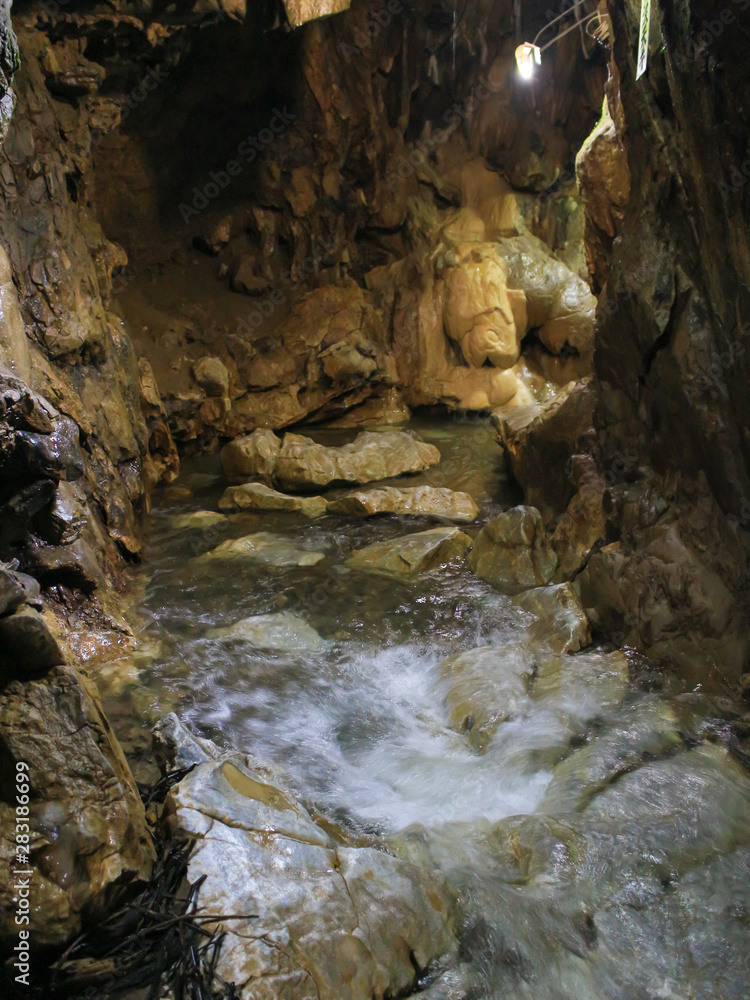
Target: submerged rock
[(264, 547), (284, 632), (197, 519), (528, 704), (302, 463), (648, 729), (512, 551), (324, 920), (484, 687), (412, 554), (584, 685), (257, 496), (252, 455), (560, 621), (674, 813), (416, 501)]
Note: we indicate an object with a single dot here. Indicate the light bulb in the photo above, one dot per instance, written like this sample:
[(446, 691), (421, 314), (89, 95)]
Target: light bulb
[(528, 56)]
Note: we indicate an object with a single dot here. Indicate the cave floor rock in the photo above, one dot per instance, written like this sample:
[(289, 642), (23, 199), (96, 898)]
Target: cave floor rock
[(454, 791)]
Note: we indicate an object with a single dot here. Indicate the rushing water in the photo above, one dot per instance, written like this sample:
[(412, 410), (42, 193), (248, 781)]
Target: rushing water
[(598, 844)]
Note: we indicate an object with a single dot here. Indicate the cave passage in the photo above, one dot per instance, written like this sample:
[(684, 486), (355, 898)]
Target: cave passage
[(374, 499), (596, 844)]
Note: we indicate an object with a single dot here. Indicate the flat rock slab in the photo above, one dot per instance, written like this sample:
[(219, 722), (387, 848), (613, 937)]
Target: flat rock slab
[(197, 519), (412, 554), (513, 552), (373, 455), (284, 632), (331, 921), (415, 501), (263, 547), (256, 496)]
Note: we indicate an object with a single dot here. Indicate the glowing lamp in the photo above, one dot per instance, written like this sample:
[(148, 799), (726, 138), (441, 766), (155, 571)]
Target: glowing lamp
[(528, 56)]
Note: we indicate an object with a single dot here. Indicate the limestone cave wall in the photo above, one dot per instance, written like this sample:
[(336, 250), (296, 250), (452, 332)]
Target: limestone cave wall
[(653, 453)]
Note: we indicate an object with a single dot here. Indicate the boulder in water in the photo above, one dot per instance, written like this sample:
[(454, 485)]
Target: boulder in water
[(324, 919), (486, 686), (263, 547), (257, 496), (283, 632), (559, 619), (513, 552), (412, 554), (251, 455), (648, 729), (303, 463), (197, 519), (415, 501)]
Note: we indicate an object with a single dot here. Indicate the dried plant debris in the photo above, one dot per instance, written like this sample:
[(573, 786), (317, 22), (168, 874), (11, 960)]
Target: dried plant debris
[(157, 945)]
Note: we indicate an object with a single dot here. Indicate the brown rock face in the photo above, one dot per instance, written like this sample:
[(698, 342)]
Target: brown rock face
[(538, 441), (604, 179), (88, 836)]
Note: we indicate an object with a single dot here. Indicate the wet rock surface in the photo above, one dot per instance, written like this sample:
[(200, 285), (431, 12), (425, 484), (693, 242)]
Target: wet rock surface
[(252, 455), (88, 841), (417, 501), (304, 464), (324, 918), (263, 547), (512, 551), (420, 552), (559, 619), (363, 266), (562, 792), (256, 496), (284, 631)]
